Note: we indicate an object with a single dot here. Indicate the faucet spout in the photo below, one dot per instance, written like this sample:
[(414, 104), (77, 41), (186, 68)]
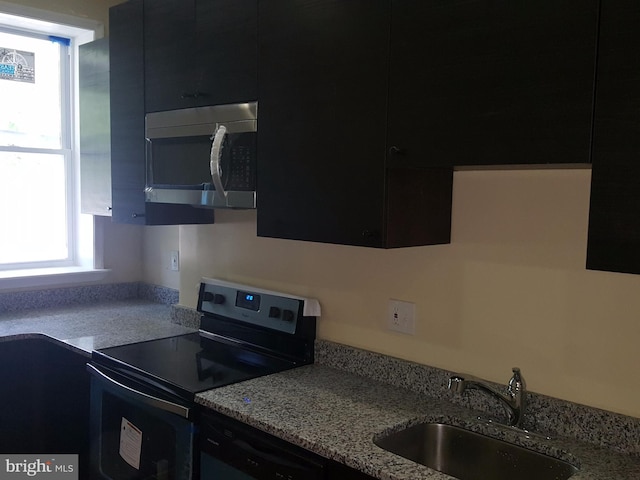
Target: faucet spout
[(513, 398)]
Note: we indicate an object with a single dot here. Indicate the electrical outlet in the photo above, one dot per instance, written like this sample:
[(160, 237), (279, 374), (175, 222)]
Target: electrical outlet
[(402, 317), (175, 260)]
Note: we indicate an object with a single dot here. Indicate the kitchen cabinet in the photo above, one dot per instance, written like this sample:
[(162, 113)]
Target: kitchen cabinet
[(128, 168), (492, 82), (614, 217), (199, 52), (45, 400), (323, 173), (95, 133), (365, 108)]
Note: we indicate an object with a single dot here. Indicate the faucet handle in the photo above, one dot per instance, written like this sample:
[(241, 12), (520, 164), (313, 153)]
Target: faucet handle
[(516, 383), (456, 384)]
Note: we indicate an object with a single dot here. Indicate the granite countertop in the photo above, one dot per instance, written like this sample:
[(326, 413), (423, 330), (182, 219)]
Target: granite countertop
[(88, 327), (348, 397), (338, 414)]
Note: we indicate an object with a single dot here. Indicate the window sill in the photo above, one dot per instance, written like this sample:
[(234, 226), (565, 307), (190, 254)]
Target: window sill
[(43, 277)]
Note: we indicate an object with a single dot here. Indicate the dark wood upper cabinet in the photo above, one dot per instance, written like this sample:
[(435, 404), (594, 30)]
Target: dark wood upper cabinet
[(128, 170), (614, 218), (199, 52), (492, 82), (322, 172), (366, 106)]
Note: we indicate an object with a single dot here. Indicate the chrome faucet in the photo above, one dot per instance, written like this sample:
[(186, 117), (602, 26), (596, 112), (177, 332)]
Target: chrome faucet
[(513, 398)]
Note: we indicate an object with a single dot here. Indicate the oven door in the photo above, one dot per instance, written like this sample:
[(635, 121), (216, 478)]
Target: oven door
[(136, 432)]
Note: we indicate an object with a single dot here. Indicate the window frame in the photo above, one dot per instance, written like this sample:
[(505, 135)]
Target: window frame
[(84, 261), (66, 151)]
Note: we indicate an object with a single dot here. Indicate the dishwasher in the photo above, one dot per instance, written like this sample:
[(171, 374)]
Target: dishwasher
[(232, 450)]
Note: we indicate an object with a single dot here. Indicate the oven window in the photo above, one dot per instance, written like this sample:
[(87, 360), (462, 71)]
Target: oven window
[(158, 443)]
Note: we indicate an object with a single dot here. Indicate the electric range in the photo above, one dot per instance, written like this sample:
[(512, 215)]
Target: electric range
[(143, 423)]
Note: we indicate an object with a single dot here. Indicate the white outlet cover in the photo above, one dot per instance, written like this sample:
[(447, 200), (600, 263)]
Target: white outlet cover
[(174, 261), (401, 317)]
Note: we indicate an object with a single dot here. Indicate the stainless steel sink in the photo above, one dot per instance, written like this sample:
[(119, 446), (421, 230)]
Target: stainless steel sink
[(467, 455)]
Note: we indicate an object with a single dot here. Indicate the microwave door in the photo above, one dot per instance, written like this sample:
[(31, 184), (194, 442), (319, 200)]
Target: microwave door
[(205, 157)]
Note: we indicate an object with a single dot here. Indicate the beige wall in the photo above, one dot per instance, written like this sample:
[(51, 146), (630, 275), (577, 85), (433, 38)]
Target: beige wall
[(159, 241), (122, 251), (510, 290)]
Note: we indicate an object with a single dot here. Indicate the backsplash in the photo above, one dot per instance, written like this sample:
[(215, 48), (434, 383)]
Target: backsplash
[(158, 294), (547, 415), (185, 316), (58, 297), (544, 414)]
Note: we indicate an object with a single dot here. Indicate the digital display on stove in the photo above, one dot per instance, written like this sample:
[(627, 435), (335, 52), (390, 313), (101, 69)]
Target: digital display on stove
[(247, 300)]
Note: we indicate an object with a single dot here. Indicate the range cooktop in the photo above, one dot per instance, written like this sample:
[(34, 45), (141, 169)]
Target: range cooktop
[(245, 333)]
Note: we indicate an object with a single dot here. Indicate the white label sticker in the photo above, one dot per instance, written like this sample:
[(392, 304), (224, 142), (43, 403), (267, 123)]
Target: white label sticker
[(130, 443)]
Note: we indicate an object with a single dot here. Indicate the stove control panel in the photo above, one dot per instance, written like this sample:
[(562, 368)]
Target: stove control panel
[(264, 308)]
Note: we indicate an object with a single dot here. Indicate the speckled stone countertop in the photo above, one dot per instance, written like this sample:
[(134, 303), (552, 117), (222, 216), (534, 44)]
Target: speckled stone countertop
[(338, 414), (338, 406), (91, 326)]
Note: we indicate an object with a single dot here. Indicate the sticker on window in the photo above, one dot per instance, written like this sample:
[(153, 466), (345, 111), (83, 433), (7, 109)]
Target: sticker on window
[(17, 65), (130, 443)]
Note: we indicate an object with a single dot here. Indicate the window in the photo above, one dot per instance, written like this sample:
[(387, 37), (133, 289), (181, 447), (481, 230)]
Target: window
[(35, 152), (40, 221)]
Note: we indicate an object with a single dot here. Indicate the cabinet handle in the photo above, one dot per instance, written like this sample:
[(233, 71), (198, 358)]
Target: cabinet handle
[(137, 215), (194, 95), (394, 150)]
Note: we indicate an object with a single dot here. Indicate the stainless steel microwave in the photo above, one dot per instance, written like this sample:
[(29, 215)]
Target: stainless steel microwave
[(203, 156)]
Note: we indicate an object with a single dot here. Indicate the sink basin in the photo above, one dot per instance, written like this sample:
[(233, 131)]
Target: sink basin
[(467, 455)]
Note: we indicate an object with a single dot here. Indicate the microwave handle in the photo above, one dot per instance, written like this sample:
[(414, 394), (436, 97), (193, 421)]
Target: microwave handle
[(216, 153)]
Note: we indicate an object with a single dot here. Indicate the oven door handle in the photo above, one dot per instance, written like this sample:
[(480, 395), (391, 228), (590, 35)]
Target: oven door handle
[(145, 398)]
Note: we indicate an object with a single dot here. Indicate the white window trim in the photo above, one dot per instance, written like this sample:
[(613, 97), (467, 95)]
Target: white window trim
[(89, 261)]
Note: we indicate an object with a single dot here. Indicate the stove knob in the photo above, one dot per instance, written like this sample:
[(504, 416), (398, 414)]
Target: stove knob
[(207, 297), (274, 312), (287, 316), (218, 299)]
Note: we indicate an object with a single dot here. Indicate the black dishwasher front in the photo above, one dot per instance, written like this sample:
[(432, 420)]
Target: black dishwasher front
[(234, 451)]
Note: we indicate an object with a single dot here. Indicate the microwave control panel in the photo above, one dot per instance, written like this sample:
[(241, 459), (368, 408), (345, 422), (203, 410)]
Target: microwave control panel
[(238, 172)]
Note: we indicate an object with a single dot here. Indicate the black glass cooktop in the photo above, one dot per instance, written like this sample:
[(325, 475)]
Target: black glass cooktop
[(188, 364)]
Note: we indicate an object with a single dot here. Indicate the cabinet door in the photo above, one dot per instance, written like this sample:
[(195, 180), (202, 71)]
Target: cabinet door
[(322, 94), (128, 171), (201, 52), (95, 129), (489, 82), (226, 51), (614, 218), (127, 112), (169, 56)]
